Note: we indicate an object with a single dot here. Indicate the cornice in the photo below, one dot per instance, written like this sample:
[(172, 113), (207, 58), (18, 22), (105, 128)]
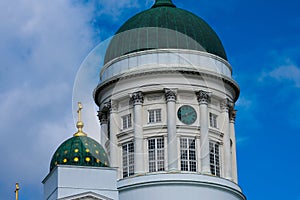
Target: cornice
[(137, 73)]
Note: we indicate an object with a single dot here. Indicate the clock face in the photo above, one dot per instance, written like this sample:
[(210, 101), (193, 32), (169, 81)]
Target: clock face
[(187, 114)]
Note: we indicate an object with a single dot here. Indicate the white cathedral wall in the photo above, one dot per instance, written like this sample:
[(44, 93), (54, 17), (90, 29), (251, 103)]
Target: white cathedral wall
[(65, 181), (171, 58), (178, 187), (152, 82)]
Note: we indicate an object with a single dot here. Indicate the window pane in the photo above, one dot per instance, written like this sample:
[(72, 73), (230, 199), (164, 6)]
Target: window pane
[(188, 154), (128, 159), (156, 154), (214, 158)]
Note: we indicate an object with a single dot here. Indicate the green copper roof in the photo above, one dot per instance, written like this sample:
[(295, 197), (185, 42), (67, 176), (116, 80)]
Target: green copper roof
[(163, 3), (80, 151), (164, 26)]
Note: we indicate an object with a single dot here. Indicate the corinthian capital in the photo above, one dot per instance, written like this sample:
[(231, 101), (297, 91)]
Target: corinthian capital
[(102, 116), (203, 97), (232, 115), (170, 95), (110, 106), (226, 104), (137, 98)]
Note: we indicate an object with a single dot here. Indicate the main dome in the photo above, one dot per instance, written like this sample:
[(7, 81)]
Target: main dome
[(164, 27)]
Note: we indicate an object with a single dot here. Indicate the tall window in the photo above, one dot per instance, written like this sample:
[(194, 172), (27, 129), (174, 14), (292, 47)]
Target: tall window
[(213, 120), (188, 154), (214, 158), (154, 116), (128, 159), (126, 121), (156, 154)]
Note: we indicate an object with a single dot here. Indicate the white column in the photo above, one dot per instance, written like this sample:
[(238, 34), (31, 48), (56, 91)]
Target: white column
[(137, 100), (102, 115), (226, 139), (114, 129), (172, 136), (232, 114), (203, 98)]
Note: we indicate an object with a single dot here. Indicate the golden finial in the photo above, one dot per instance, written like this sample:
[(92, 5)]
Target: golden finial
[(17, 191), (79, 124)]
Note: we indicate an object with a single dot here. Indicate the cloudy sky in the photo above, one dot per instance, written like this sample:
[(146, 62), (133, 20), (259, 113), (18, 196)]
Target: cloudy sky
[(44, 42)]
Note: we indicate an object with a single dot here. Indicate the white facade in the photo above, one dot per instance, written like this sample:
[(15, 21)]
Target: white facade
[(74, 182), (165, 80)]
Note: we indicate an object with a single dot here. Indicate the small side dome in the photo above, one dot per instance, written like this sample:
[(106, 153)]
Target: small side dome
[(80, 150)]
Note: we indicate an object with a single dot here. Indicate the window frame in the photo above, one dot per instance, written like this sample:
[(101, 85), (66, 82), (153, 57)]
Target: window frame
[(187, 163), (126, 121), (213, 120), (215, 158), (157, 153), (157, 117), (127, 159)]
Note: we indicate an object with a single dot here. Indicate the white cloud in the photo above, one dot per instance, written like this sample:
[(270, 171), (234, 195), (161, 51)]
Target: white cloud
[(288, 72), (42, 46)]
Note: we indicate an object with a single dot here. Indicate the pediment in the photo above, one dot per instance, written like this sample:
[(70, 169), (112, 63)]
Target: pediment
[(86, 196)]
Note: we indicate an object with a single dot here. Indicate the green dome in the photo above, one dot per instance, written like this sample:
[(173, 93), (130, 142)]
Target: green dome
[(80, 151), (164, 26)]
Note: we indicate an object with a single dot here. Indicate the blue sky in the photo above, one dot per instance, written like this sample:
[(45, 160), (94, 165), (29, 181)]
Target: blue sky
[(43, 44)]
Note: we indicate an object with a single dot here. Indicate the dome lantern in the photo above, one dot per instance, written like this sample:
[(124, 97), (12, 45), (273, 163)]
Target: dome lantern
[(159, 3)]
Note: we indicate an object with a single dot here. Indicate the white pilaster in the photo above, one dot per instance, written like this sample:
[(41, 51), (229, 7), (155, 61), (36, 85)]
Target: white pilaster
[(226, 139), (172, 138), (203, 98), (114, 129), (232, 114), (137, 99)]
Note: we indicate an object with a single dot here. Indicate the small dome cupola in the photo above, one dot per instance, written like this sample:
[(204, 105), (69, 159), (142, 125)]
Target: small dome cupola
[(80, 150)]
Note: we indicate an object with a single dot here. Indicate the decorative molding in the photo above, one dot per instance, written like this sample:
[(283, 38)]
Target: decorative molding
[(102, 116), (187, 96), (154, 97), (232, 115), (170, 94), (137, 98), (225, 105), (112, 106), (203, 96)]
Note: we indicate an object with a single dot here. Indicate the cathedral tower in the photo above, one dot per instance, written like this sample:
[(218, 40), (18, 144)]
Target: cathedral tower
[(166, 108)]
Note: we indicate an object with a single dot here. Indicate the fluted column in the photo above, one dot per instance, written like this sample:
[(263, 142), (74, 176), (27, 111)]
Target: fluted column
[(102, 115), (232, 117), (114, 126), (203, 98), (226, 139), (137, 100), (172, 136)]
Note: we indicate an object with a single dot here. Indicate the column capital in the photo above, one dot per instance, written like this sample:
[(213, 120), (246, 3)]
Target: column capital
[(111, 106), (137, 98), (102, 116), (203, 96), (170, 94), (232, 115), (226, 104)]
